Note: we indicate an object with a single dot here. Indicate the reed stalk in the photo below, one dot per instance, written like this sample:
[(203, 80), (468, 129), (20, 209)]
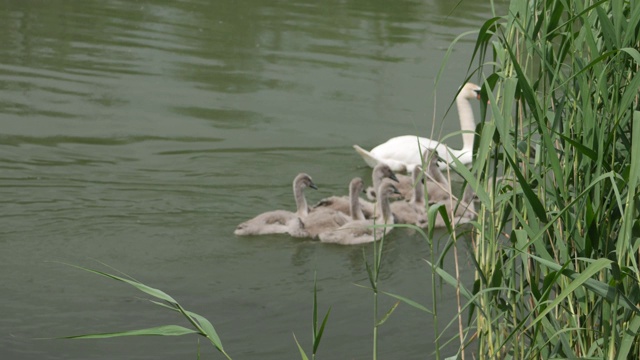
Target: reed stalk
[(557, 238)]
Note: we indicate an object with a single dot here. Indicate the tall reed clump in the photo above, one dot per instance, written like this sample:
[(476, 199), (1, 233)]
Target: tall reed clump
[(557, 170)]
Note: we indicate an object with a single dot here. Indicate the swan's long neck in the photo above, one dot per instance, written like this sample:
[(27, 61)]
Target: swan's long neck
[(467, 122), (354, 203), (301, 202)]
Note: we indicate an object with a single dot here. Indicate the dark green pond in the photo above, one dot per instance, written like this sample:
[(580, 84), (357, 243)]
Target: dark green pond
[(140, 133)]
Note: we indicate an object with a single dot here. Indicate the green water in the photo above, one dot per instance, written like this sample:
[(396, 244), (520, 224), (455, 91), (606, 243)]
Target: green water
[(139, 134)]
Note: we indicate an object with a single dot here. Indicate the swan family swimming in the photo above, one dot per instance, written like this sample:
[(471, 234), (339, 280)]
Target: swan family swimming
[(350, 220), (353, 220)]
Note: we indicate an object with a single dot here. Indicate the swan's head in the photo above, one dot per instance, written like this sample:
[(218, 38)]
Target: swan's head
[(382, 171), (470, 91), (302, 181)]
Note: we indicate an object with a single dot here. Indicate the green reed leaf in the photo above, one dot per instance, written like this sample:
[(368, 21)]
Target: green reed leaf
[(409, 302), (302, 353), (165, 330), (140, 286), (389, 312)]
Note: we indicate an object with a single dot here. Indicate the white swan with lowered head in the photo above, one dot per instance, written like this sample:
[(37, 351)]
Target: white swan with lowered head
[(282, 221), (363, 231), (402, 153)]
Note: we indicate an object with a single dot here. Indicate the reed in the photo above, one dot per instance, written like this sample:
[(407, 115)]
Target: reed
[(316, 331), (556, 169), (198, 323)]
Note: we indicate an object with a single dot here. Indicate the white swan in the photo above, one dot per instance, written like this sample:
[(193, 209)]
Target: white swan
[(363, 231), (282, 221), (403, 152)]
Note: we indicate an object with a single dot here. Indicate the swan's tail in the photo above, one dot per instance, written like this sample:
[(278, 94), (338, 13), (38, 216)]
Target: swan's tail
[(366, 156)]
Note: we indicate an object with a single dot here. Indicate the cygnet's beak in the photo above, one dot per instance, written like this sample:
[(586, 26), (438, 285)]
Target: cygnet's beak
[(313, 186)]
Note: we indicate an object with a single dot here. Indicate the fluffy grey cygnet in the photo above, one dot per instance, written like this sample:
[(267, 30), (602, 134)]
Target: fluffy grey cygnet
[(282, 221), (366, 231)]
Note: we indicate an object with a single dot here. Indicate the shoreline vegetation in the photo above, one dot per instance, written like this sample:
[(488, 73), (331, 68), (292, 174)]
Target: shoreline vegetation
[(556, 171)]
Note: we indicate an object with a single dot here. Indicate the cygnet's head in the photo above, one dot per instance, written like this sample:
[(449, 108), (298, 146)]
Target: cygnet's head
[(303, 180), (382, 171), (388, 189), (430, 160), (470, 91)]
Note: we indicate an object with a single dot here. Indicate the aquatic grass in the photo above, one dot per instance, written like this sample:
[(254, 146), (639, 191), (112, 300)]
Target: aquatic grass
[(557, 239), (200, 324), (316, 331), (373, 272)]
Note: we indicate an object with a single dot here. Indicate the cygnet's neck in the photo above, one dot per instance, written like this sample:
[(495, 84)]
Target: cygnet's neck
[(354, 205), (418, 191), (301, 202), (385, 209), (467, 122)]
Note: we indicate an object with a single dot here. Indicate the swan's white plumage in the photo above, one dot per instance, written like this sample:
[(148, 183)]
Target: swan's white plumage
[(402, 153)]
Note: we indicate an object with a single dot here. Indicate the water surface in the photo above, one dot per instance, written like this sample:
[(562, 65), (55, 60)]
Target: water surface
[(139, 134)]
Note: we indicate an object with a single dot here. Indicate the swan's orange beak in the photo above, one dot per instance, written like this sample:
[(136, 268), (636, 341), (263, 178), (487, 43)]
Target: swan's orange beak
[(479, 97)]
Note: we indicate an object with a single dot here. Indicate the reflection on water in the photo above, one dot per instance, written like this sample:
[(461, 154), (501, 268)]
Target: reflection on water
[(140, 133)]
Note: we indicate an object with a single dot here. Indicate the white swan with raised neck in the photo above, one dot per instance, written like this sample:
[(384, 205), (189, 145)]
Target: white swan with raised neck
[(402, 153)]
